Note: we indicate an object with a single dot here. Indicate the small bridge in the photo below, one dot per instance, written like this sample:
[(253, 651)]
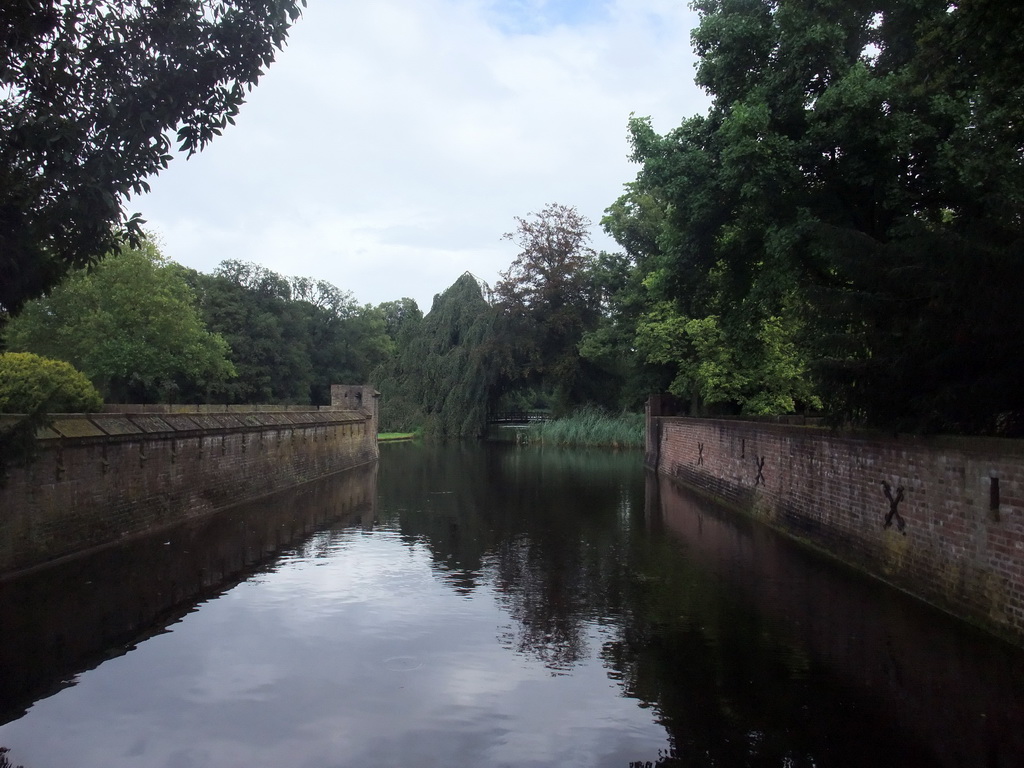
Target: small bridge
[(518, 417)]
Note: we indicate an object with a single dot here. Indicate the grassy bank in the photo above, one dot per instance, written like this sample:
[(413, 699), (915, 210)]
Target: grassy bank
[(390, 437), (590, 427)]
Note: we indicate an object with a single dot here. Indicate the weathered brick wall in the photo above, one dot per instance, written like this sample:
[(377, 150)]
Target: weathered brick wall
[(102, 477), (956, 538)]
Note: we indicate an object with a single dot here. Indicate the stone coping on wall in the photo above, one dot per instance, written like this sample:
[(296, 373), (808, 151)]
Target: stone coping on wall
[(793, 419), (132, 425), (1004, 446), (206, 408)]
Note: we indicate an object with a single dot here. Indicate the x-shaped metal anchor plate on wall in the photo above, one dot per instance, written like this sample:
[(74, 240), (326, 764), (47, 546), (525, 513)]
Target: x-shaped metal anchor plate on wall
[(759, 461), (894, 503)]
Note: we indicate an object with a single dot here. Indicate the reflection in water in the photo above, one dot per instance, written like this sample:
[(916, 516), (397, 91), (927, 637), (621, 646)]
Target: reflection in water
[(540, 525), (852, 661), (74, 615), (494, 606)]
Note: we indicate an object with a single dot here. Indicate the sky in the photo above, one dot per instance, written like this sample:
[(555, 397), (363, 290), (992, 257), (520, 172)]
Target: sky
[(393, 142)]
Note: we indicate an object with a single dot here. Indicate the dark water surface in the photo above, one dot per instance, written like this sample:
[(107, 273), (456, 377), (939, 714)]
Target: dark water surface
[(489, 606)]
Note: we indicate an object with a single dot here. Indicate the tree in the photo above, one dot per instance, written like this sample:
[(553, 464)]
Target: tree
[(857, 186), (131, 325), (753, 369), (346, 346), (548, 300), (30, 384), (250, 308), (636, 222), (91, 90), (290, 337), (444, 379), (401, 319)]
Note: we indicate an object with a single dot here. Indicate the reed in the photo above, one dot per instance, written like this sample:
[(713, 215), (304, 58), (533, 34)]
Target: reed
[(591, 426)]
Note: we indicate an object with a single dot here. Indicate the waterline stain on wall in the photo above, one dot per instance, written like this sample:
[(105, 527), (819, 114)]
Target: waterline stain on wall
[(918, 512)]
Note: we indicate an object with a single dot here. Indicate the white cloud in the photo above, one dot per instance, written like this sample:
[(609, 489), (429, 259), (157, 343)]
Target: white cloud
[(393, 142)]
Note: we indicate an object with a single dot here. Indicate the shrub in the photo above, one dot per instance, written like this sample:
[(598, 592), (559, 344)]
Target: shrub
[(30, 383)]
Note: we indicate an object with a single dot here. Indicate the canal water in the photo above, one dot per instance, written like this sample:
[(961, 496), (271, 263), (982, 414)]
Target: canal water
[(489, 606)]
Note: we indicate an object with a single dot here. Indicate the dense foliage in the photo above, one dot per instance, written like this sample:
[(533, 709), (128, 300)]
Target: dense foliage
[(846, 221), (132, 326), (290, 338), (843, 230), (32, 384), (547, 303), (90, 93), (147, 330), (443, 377), (522, 350)]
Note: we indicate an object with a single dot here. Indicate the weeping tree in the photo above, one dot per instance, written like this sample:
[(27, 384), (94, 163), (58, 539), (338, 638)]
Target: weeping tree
[(444, 374)]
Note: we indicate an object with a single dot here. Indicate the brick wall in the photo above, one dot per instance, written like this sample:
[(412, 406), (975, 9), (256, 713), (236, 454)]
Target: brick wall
[(102, 477), (956, 538)]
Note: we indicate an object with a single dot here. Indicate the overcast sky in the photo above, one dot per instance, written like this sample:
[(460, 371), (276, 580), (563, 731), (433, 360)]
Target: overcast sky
[(394, 141)]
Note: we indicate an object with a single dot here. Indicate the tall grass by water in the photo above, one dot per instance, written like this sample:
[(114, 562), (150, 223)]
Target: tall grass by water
[(590, 426)]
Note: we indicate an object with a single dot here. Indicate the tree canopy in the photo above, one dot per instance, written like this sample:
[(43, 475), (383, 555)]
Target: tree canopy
[(290, 337), (547, 299), (90, 93), (443, 376), (847, 218), (131, 324)]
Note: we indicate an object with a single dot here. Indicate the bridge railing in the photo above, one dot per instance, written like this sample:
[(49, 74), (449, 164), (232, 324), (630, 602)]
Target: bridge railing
[(518, 417)]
